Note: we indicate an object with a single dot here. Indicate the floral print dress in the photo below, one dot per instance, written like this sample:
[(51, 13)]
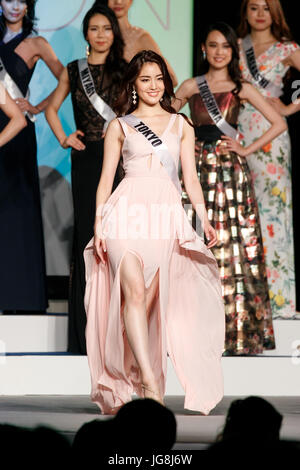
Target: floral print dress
[(271, 173)]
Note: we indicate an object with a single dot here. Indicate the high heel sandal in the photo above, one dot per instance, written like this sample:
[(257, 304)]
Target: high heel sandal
[(156, 397)]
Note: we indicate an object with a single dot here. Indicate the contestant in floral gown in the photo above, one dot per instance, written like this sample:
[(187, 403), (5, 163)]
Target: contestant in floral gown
[(263, 23), (227, 186), (153, 285)]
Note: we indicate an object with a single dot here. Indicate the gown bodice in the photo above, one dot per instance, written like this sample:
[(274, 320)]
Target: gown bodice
[(270, 63), (137, 151), (205, 128), (229, 105), (16, 68), (87, 119)]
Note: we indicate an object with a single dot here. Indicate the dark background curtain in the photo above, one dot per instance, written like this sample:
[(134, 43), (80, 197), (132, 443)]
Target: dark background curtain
[(228, 11)]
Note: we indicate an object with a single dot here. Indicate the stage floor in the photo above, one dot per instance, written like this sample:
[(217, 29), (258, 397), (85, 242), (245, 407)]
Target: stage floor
[(67, 413)]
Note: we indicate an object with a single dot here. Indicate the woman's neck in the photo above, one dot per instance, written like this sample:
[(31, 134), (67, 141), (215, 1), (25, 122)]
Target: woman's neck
[(262, 37), (218, 75), (97, 58), (144, 109), (14, 27), (124, 23)]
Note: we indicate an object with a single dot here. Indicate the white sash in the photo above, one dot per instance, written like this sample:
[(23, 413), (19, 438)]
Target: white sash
[(213, 108), (160, 149), (260, 80), (89, 87), (12, 88)]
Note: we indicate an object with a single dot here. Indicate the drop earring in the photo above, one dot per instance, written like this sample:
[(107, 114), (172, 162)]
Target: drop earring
[(87, 50), (134, 96), (204, 54)]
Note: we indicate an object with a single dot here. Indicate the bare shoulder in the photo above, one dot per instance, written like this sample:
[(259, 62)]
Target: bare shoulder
[(246, 90), (38, 41), (146, 41), (138, 32), (143, 34), (294, 57), (188, 128), (41, 40), (188, 88), (114, 128)]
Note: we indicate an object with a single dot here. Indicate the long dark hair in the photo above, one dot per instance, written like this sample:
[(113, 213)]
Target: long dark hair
[(233, 67), (28, 20), (125, 105), (279, 28), (115, 65), (101, 2)]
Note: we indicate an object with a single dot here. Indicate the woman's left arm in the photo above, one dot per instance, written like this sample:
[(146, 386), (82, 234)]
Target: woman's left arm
[(191, 181), (43, 51), (278, 125), (288, 109)]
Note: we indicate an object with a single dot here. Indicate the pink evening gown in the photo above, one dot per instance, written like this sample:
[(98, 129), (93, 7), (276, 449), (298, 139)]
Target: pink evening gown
[(187, 320)]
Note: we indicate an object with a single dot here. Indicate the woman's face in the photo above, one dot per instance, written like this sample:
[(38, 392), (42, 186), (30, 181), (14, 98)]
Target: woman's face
[(14, 10), (100, 35), (120, 7), (150, 85), (218, 50), (259, 15)]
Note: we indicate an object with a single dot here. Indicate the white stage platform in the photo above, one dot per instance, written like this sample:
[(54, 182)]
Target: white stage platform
[(33, 361)]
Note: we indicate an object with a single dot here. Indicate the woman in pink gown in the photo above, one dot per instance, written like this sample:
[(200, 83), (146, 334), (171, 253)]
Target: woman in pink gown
[(153, 286)]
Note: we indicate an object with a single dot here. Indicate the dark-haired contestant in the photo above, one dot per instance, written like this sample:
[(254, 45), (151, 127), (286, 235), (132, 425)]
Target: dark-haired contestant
[(266, 44), (22, 274), (215, 99), (94, 85), (148, 273)]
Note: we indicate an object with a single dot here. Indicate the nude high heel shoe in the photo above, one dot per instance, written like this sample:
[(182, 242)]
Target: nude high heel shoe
[(156, 395)]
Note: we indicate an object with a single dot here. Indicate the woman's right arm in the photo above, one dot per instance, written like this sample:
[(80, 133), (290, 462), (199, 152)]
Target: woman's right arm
[(278, 125), (184, 92), (112, 150), (57, 98), (17, 120)]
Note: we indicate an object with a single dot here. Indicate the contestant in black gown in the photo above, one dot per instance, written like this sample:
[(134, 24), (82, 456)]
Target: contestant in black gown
[(106, 66), (22, 274)]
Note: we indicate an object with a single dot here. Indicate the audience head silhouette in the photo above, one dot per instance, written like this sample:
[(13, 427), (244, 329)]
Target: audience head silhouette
[(145, 425), (252, 418), (97, 434)]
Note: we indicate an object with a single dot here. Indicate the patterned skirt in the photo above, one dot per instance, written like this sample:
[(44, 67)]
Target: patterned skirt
[(232, 210)]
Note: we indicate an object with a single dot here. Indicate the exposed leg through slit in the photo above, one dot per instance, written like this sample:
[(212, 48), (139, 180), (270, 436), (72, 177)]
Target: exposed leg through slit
[(135, 298)]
